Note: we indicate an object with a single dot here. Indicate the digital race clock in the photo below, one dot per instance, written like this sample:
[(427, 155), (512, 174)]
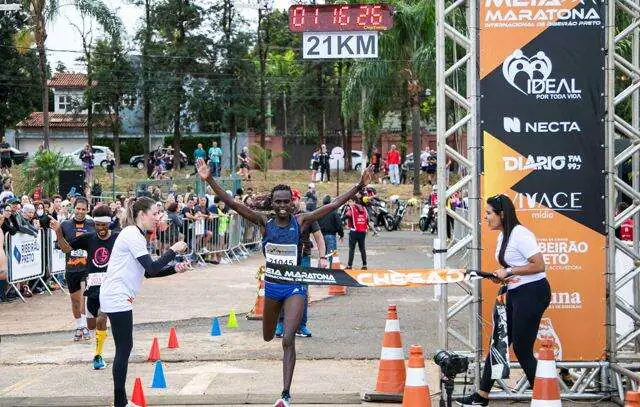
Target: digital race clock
[(340, 17)]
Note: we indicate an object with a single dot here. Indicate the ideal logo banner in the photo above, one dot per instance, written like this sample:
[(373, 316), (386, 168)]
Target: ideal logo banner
[(542, 111)]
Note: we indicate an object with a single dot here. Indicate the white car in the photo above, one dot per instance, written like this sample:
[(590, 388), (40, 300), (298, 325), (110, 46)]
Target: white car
[(99, 155), (356, 161)]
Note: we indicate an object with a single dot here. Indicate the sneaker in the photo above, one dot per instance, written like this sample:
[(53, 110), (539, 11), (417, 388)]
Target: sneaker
[(348, 268), (472, 400), (279, 330), (363, 268), (283, 402), (86, 335), (98, 363), (78, 335), (304, 332)]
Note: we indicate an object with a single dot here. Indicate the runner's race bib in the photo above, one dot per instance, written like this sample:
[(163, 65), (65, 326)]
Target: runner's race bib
[(78, 253), (95, 279), (281, 253)]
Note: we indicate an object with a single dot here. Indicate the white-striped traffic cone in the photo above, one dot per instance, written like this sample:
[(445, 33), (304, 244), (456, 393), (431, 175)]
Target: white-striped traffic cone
[(545, 388), (391, 373), (335, 265), (416, 389)]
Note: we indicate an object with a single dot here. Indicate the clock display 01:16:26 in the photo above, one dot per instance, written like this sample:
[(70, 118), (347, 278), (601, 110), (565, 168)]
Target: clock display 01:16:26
[(353, 17)]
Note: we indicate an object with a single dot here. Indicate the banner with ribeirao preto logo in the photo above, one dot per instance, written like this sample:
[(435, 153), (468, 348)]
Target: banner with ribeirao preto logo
[(542, 110)]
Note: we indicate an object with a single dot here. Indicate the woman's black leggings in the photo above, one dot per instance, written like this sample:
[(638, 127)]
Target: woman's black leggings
[(357, 238), (525, 306), (122, 330)]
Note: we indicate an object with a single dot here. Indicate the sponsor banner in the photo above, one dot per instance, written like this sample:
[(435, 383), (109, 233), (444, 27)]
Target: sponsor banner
[(25, 257), (57, 258), (542, 111), (287, 274)]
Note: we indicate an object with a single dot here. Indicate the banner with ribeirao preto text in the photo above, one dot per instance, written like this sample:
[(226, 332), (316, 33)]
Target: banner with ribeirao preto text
[(542, 110)]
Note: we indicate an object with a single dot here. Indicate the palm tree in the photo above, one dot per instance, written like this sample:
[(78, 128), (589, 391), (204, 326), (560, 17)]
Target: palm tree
[(43, 11), (405, 68)]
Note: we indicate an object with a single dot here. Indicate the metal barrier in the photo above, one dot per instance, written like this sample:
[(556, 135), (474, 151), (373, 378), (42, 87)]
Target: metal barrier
[(459, 229), (228, 238)]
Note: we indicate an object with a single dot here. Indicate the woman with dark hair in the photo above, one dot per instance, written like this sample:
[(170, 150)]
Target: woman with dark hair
[(129, 264), (528, 291), (281, 243)]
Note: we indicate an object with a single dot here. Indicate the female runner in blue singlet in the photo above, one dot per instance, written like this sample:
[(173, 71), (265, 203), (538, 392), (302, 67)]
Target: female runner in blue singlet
[(280, 241)]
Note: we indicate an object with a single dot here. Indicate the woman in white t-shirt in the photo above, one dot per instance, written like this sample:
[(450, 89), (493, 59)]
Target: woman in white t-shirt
[(129, 264), (528, 291)]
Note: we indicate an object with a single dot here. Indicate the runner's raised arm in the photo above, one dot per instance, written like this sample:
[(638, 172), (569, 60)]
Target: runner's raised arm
[(205, 173)]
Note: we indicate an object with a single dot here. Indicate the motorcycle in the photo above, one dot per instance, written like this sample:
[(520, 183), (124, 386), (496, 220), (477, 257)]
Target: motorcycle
[(401, 209), (429, 216), (379, 214)]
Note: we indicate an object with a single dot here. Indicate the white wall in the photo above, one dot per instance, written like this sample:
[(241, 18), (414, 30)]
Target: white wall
[(77, 95), (65, 146)]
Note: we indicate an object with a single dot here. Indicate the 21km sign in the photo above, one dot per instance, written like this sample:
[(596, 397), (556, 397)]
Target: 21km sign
[(337, 45)]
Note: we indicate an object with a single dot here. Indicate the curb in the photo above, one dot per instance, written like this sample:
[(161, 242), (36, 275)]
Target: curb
[(171, 400)]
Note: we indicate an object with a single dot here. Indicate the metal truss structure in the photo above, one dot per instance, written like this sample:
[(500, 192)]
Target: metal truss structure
[(457, 28), (623, 124)]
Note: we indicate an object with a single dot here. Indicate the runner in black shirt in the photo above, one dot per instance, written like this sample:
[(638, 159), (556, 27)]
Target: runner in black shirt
[(98, 245)]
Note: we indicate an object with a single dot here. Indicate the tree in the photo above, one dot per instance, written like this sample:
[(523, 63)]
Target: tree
[(114, 79), (177, 25), (407, 55), (85, 30), (61, 67), (40, 13), (263, 158), (19, 82), (43, 169)]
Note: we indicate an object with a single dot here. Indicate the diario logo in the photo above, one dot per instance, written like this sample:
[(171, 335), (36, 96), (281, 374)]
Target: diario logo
[(532, 76), (543, 162)]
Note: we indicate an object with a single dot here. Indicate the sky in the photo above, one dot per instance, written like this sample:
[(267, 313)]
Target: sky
[(66, 40)]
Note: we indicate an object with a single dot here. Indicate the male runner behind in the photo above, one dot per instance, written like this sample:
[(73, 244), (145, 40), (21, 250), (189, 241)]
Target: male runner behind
[(98, 246), (76, 267)]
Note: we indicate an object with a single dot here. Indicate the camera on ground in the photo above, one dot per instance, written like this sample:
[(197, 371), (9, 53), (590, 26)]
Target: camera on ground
[(450, 363)]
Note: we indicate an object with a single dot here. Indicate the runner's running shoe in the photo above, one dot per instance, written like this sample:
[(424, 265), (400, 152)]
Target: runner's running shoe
[(283, 402), (472, 400), (78, 335), (279, 330), (98, 363), (304, 332), (86, 335)]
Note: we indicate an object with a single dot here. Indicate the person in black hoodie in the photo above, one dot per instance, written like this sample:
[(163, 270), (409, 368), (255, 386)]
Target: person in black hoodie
[(330, 225)]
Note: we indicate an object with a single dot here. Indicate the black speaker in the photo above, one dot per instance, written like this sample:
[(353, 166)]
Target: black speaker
[(70, 181)]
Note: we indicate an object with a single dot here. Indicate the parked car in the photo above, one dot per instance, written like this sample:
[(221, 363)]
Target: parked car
[(356, 161), (99, 156), (138, 160), (18, 157)]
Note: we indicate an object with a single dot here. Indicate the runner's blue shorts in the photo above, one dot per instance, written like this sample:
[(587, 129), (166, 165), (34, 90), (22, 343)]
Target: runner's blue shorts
[(281, 292)]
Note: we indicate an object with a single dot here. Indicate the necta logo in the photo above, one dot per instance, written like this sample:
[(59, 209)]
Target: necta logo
[(543, 162), (514, 125), (532, 76), (539, 13)]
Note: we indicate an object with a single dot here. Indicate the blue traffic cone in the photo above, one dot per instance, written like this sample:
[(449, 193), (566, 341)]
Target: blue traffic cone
[(158, 377), (215, 327)]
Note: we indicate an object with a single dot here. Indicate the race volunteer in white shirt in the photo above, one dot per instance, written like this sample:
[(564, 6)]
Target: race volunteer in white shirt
[(129, 264), (528, 291)]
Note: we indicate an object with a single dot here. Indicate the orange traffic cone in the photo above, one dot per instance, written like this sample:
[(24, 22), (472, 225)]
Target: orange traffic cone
[(416, 389), (138, 394), (173, 339), (258, 308), (335, 265), (154, 353), (391, 373), (632, 399), (545, 388)]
